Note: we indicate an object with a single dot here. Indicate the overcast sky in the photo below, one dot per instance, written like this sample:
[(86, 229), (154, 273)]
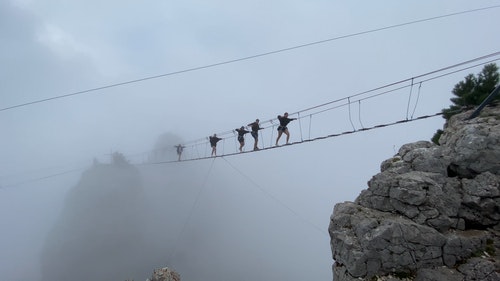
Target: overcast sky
[(53, 48)]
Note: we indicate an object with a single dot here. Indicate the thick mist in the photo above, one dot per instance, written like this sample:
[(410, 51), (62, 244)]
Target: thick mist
[(110, 227), (248, 216), (99, 233), (121, 221)]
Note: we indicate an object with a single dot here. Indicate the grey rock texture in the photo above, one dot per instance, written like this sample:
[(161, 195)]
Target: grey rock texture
[(432, 213), (165, 274)]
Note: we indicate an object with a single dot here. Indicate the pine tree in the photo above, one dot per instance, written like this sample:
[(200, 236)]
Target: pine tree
[(471, 92)]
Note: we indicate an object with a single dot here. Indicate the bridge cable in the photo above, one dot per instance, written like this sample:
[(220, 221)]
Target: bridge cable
[(236, 142), (196, 145), (262, 139), (232, 154), (191, 211), (416, 102), (415, 77), (272, 133), (310, 121), (389, 91), (274, 198), (300, 126), (41, 178), (245, 58), (359, 114), (409, 99), (381, 93), (350, 119), (311, 140)]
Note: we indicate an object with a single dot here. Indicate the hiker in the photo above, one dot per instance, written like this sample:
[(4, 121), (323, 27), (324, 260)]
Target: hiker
[(255, 133), (284, 120), (241, 136), (213, 142), (180, 148)]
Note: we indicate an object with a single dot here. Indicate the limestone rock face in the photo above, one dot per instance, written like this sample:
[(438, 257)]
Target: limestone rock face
[(474, 145), (432, 213)]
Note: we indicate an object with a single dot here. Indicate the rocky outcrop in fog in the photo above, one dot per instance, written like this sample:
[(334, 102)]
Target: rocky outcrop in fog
[(432, 213), (98, 235), (165, 274)]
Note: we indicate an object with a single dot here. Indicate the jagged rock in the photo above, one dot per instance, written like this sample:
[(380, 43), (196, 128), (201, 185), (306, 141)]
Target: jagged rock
[(432, 213), (479, 269), (463, 244), (473, 145), (424, 197), (481, 200), (368, 242), (165, 274)]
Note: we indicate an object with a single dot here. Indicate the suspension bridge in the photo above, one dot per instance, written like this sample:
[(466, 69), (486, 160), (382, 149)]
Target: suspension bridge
[(352, 107)]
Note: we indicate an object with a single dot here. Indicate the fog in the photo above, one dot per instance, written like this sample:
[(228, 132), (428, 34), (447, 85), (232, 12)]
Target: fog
[(248, 216), (201, 219), (259, 215)]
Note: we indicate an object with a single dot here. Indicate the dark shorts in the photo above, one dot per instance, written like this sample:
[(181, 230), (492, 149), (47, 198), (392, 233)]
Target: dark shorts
[(282, 128), (241, 139), (255, 134)]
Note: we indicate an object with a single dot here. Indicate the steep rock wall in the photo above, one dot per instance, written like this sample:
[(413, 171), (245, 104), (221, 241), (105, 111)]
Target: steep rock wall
[(432, 213)]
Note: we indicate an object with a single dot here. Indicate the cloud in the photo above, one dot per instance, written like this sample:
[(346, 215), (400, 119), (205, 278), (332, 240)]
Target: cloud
[(59, 42)]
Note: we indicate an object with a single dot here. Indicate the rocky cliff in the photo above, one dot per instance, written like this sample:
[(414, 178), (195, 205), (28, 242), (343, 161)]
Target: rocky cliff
[(432, 213)]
